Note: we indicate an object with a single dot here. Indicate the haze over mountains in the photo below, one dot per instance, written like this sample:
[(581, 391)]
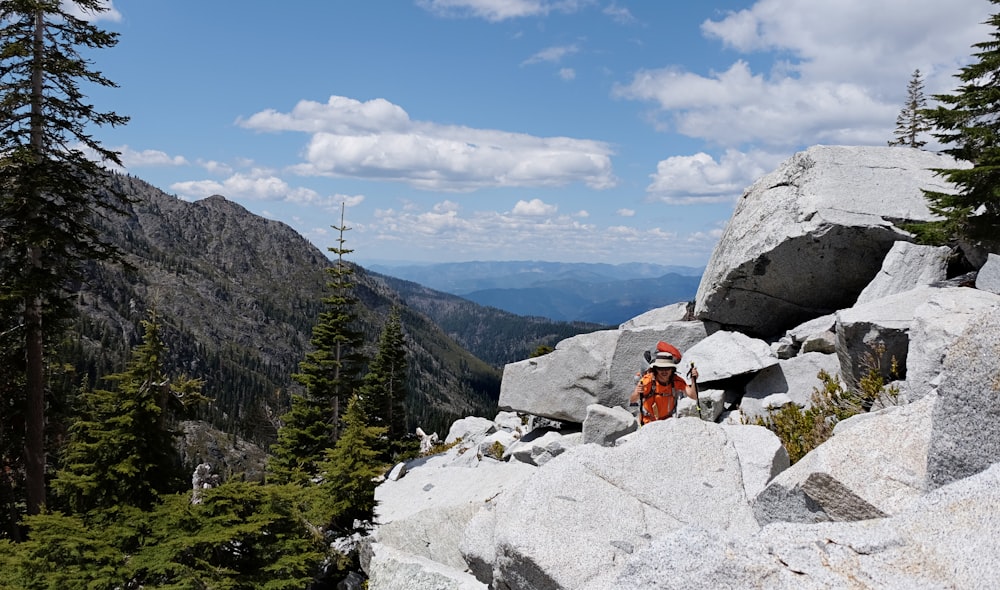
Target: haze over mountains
[(564, 291)]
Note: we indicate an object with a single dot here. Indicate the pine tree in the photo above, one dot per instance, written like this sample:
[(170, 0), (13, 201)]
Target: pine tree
[(968, 121), (350, 469), (330, 375), (120, 450), (383, 392), (50, 190), (912, 122)]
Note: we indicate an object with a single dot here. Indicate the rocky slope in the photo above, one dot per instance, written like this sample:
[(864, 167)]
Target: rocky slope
[(900, 497)]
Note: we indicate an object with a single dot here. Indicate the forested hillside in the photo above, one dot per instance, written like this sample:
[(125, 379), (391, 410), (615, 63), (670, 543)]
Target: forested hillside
[(238, 296)]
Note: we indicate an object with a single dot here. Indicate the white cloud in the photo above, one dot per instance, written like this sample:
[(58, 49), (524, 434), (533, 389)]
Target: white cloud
[(499, 10), (551, 54), (684, 180), (626, 212), (446, 232), (619, 14), (567, 73), (256, 186), (376, 140), (842, 78), (140, 158), (534, 208)]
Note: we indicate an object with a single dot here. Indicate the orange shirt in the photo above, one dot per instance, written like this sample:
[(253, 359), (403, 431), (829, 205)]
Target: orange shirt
[(658, 403)]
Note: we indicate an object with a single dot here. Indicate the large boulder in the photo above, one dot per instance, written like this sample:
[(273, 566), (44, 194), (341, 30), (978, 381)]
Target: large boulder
[(937, 324), (876, 335), (988, 278), (907, 266), (807, 238), (726, 354), (798, 377), (836, 481), (575, 521), (947, 539), (965, 437)]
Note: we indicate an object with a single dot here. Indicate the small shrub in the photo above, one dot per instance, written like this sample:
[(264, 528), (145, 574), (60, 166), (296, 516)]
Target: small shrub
[(496, 450), (803, 429), (441, 448)]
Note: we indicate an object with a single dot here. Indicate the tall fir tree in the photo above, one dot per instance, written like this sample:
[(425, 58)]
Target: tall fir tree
[(383, 392), (912, 123), (51, 191), (120, 450), (349, 472), (967, 120), (330, 374)]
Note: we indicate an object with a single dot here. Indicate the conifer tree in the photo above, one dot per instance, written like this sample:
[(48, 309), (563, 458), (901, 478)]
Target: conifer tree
[(330, 374), (50, 190), (911, 121), (120, 450), (967, 120), (350, 469), (383, 392)]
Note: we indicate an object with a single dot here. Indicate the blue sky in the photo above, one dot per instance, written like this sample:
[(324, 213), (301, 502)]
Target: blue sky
[(560, 130)]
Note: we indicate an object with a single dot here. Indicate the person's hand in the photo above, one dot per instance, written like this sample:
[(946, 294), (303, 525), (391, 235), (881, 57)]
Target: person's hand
[(693, 373)]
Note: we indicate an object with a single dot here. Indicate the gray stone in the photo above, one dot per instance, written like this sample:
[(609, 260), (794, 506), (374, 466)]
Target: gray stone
[(471, 429), (836, 480), (905, 267), (398, 471), (392, 569), (805, 239), (965, 437), (988, 278), (936, 325), (584, 512), (946, 539), (677, 312), (725, 354), (761, 456), (875, 335), (797, 377), (540, 446), (603, 426)]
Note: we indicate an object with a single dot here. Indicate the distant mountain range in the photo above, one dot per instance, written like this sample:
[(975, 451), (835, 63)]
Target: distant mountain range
[(588, 292)]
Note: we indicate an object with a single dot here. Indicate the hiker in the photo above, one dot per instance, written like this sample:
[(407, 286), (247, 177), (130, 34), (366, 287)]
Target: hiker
[(661, 387)]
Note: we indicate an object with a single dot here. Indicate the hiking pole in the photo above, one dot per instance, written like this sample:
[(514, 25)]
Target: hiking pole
[(697, 396)]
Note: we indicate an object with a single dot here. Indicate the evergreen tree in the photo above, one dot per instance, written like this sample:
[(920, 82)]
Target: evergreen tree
[(967, 120), (383, 392), (120, 450), (50, 190), (911, 121), (330, 374), (350, 469)]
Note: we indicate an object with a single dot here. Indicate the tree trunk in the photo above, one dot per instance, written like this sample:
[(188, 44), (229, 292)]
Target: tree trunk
[(34, 437)]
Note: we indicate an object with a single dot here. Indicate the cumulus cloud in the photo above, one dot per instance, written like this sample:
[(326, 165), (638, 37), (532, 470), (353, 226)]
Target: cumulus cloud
[(534, 208), (140, 158), (377, 140), (567, 73), (626, 212), (257, 185), (822, 93), (685, 180)]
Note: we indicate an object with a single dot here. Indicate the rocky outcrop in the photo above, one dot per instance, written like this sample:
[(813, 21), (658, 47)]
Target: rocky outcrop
[(806, 239), (899, 497)]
